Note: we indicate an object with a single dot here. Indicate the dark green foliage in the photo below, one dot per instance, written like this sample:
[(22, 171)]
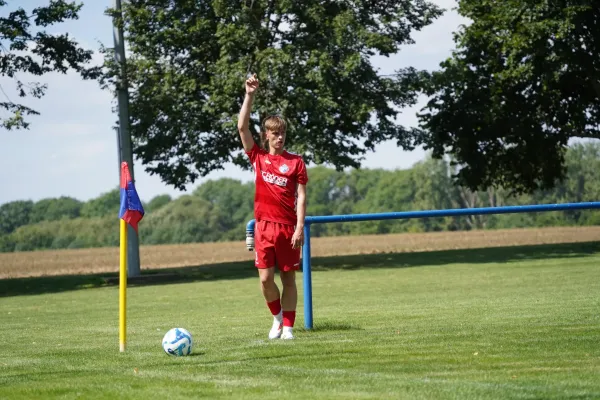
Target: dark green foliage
[(219, 210), (14, 215), (235, 202), (28, 49), (187, 219), (189, 60), (523, 81), (54, 209), (157, 202), (106, 205)]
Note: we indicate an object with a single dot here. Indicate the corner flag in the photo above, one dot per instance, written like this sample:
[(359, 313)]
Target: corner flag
[(131, 210)]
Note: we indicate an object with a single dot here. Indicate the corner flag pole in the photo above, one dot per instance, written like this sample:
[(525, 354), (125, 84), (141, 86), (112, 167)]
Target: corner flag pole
[(131, 213), (123, 288)]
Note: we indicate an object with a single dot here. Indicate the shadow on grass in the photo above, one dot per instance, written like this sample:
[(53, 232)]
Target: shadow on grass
[(245, 269), (329, 326), (462, 256)]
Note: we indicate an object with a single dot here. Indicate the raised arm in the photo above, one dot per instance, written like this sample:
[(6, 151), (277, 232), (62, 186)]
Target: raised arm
[(244, 118)]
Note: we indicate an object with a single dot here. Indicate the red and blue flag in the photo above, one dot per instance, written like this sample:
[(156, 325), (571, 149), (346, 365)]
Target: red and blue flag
[(131, 210)]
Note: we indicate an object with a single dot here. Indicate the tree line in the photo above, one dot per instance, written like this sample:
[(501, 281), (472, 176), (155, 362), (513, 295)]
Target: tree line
[(218, 210), (520, 84)]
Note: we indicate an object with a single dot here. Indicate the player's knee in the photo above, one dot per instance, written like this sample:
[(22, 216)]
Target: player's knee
[(289, 284), (267, 279), (288, 279)]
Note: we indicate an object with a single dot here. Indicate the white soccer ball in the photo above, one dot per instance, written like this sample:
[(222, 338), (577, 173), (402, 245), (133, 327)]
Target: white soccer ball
[(177, 342)]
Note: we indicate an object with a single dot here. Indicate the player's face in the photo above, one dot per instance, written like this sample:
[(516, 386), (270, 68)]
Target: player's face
[(276, 139)]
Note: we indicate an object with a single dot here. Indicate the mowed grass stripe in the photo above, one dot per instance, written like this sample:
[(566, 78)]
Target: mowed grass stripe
[(527, 327)]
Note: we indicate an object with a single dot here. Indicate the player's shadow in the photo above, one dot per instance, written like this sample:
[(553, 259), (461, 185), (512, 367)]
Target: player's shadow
[(246, 269)]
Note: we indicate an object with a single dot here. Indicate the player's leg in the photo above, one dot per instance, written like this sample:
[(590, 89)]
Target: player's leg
[(288, 261), (271, 294), (265, 263), (289, 300)]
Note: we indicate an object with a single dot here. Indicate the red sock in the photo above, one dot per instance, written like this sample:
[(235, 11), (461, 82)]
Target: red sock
[(288, 318), (275, 306)]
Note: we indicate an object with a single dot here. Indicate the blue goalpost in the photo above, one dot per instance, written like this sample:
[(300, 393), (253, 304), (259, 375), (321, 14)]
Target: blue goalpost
[(310, 220)]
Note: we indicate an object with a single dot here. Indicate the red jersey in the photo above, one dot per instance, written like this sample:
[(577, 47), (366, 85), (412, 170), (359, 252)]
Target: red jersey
[(276, 178)]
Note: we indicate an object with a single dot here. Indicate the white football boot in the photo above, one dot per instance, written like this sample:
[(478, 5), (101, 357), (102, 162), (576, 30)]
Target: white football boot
[(287, 333), (275, 331)]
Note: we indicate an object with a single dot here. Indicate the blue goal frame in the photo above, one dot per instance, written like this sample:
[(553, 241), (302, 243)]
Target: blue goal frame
[(310, 220)]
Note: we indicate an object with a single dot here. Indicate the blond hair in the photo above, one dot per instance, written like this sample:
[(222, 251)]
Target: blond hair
[(272, 123)]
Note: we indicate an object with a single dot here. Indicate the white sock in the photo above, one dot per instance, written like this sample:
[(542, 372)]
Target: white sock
[(275, 331), (279, 317)]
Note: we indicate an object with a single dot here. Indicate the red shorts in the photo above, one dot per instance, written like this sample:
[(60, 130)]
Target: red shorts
[(273, 246)]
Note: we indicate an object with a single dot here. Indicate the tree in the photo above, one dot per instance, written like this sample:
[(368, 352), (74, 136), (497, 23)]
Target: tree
[(523, 81), (219, 210), (188, 219), (189, 60), (157, 202), (55, 209), (433, 190), (37, 53), (14, 214), (106, 204)]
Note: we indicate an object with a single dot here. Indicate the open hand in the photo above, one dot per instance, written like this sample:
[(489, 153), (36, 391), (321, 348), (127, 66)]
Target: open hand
[(251, 84), (298, 238)]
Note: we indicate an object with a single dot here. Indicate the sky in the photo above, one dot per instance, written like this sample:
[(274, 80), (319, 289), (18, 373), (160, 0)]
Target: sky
[(70, 149)]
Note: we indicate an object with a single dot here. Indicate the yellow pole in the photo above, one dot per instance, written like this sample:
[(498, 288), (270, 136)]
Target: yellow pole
[(123, 287)]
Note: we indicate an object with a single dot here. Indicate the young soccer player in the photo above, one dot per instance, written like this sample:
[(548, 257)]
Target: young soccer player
[(279, 210)]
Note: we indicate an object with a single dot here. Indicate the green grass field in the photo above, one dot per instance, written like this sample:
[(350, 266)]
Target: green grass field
[(467, 324)]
